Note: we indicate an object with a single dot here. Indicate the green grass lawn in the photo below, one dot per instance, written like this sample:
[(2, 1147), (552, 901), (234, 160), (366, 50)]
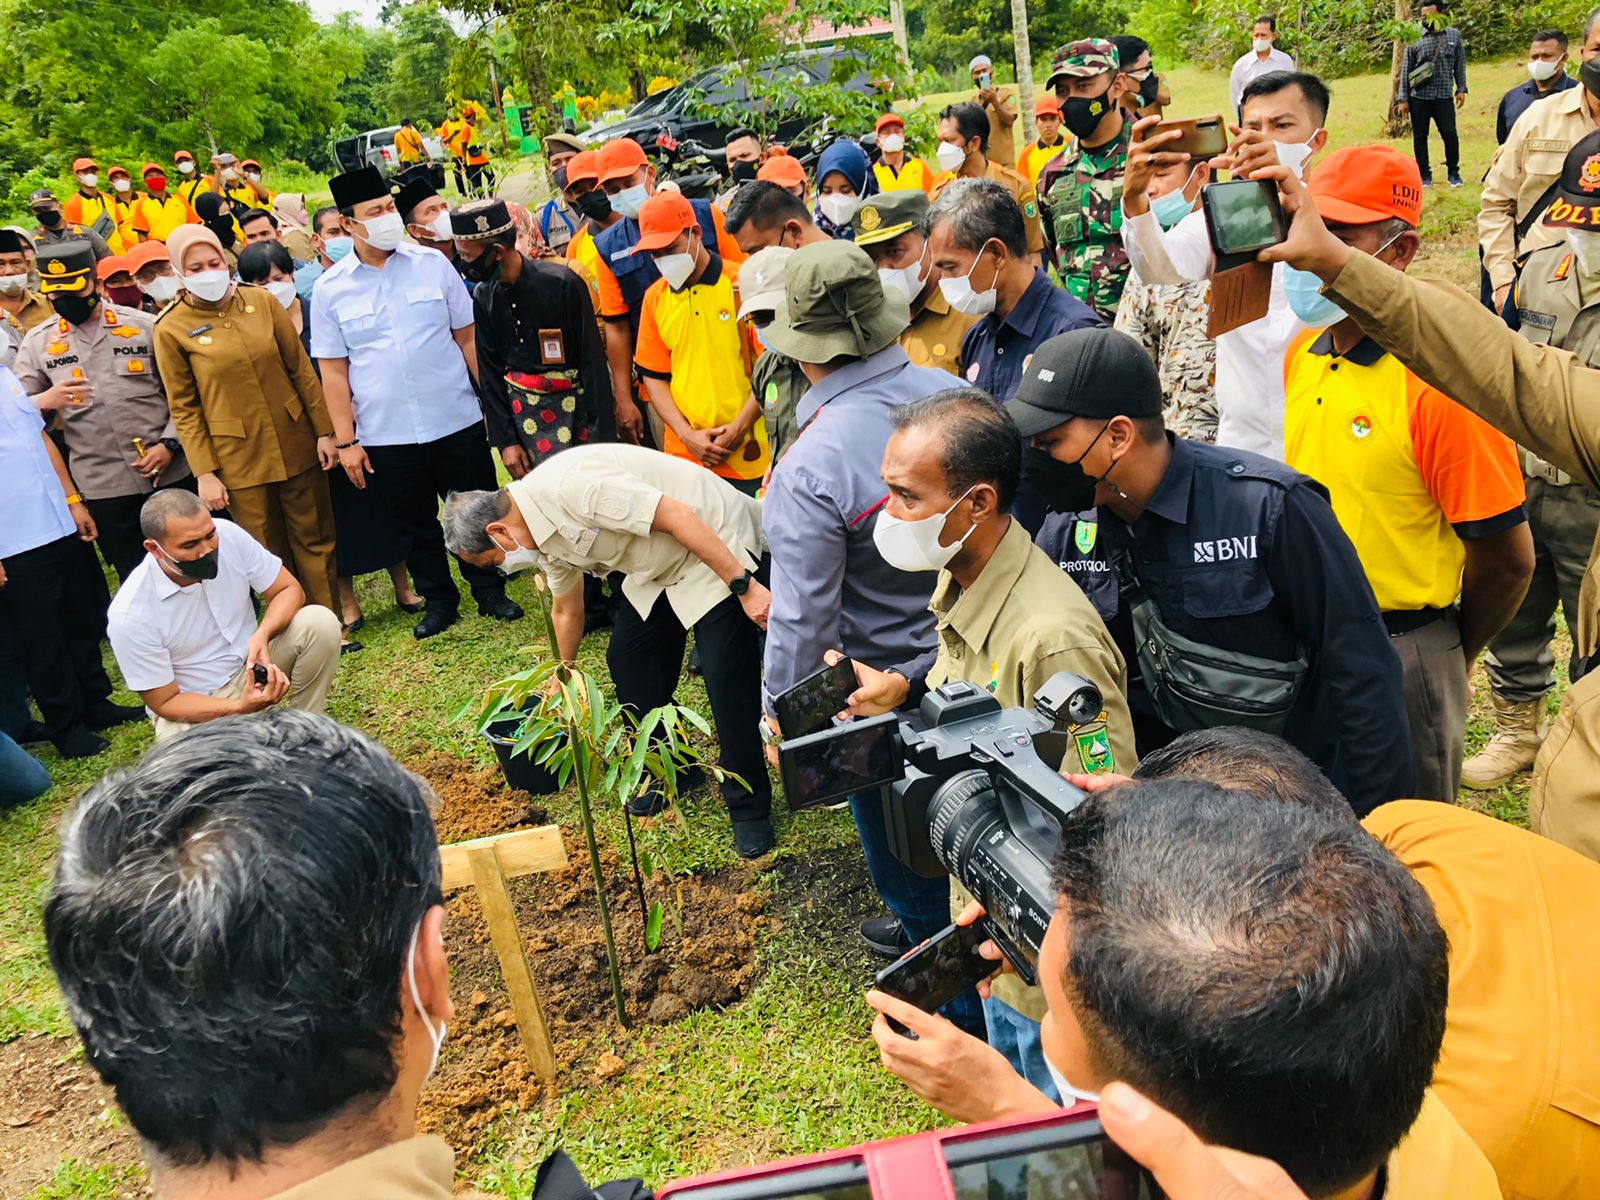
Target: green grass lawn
[(789, 1070)]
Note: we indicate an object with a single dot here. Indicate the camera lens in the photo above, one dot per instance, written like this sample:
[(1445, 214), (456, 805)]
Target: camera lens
[(959, 811)]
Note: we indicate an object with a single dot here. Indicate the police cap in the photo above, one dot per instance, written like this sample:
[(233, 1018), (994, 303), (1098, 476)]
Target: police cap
[(66, 267), (887, 215), (1576, 204), (1085, 373)]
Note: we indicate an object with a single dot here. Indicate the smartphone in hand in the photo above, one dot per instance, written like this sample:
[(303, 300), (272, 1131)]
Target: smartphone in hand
[(939, 970)]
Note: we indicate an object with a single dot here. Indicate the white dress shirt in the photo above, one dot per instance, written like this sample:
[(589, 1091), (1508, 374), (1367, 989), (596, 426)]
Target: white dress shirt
[(198, 634), (31, 498), (408, 378), (1249, 68), (1250, 358)]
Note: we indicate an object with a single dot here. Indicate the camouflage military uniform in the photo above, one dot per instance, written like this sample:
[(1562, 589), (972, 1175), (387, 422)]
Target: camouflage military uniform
[(1081, 193)]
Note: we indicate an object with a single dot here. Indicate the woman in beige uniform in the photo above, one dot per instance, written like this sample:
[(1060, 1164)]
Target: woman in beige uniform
[(249, 410)]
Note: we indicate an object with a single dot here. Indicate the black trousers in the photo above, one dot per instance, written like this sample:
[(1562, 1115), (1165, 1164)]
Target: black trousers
[(646, 661), (116, 519), (54, 604), (1443, 114), (412, 480)]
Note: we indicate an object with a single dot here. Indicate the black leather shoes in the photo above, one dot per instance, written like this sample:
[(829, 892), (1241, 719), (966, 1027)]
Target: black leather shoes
[(501, 607), (435, 621), (106, 715), (78, 742), (752, 839)]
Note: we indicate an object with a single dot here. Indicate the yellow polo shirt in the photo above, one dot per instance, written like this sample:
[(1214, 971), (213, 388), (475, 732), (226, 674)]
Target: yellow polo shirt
[(1410, 472), (914, 175), (693, 340), (156, 219), (1520, 1066), (1034, 157)]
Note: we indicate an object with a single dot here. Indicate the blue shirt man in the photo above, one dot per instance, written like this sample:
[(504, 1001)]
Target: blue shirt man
[(1547, 68), (831, 588), (994, 350)]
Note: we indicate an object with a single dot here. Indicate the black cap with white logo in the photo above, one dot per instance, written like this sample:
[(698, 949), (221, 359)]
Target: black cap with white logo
[(1085, 373)]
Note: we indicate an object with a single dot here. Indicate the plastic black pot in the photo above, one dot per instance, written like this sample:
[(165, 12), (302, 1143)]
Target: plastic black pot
[(521, 772)]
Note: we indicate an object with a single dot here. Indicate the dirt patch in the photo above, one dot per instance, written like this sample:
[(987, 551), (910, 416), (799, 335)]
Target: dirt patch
[(829, 894), (706, 960), (53, 1106), (474, 801)]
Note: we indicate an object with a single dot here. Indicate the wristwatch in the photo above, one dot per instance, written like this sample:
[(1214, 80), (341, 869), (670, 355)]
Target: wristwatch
[(173, 445), (740, 584)]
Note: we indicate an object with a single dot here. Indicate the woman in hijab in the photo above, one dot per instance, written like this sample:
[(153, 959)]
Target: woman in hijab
[(294, 226), (248, 408), (216, 214), (844, 176)]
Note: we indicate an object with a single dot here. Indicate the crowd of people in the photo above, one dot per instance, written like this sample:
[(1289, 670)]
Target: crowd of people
[(959, 421)]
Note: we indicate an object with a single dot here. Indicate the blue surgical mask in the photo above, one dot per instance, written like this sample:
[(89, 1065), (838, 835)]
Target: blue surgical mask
[(337, 247), (1171, 208), (1304, 293)]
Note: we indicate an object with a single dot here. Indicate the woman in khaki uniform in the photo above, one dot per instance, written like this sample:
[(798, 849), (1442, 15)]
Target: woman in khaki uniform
[(249, 410)]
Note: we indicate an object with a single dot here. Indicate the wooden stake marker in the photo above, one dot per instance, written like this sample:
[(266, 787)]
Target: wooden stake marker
[(485, 864)]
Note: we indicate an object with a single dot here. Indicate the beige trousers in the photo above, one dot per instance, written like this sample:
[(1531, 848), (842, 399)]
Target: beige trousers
[(307, 652)]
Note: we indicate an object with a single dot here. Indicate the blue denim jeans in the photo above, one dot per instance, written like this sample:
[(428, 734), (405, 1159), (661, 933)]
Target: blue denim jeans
[(923, 905), (1017, 1037), (22, 776)]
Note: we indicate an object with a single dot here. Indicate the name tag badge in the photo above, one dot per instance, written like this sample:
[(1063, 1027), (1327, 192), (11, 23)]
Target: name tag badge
[(552, 347)]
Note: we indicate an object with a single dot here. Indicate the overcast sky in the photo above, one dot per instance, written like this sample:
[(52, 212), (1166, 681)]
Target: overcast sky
[(326, 10)]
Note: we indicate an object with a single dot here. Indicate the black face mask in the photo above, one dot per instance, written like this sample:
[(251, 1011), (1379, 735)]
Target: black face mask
[(76, 309), (1083, 114), (1589, 75), (1065, 487), (49, 218), (482, 268), (595, 205), (1148, 87), (202, 568), (560, 176), (742, 172)]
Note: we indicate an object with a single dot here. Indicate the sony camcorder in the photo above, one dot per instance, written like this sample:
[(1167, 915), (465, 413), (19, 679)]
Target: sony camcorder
[(973, 791)]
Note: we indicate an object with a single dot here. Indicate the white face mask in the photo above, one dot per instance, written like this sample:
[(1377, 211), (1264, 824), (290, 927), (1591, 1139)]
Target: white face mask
[(950, 156), (162, 288), (384, 231), (675, 269), (13, 285), (1585, 247), (230, 174), (416, 999), (439, 228), (1069, 1095), (1541, 70), (838, 208), (253, 176), (209, 286), (914, 545), (907, 281), (1261, 45), (283, 289), (518, 558), (89, 179), (630, 200), (892, 143), (186, 168), (959, 293), (123, 185), (1294, 155)]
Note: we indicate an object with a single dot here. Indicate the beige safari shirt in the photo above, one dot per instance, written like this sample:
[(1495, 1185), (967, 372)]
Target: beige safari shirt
[(589, 509), (1522, 171), (1020, 623), (420, 1168), (114, 351)]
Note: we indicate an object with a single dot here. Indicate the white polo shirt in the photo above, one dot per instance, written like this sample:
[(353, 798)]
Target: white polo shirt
[(196, 635), (394, 323), (31, 498)]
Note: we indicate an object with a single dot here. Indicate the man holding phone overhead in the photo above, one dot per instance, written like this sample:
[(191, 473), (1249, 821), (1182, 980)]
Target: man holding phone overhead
[(1008, 618)]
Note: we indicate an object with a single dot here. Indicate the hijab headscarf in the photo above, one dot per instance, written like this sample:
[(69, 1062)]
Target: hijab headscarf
[(184, 236), (850, 160), (290, 209), (208, 206)]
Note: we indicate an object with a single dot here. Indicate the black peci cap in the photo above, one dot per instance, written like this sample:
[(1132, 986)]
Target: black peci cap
[(356, 187), (414, 189), (1085, 373), (480, 220)]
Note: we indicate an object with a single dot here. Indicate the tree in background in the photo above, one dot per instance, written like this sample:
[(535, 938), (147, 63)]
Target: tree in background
[(424, 47)]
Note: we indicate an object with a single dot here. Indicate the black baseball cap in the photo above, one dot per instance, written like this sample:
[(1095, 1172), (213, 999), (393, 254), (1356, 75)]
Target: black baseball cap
[(1085, 373)]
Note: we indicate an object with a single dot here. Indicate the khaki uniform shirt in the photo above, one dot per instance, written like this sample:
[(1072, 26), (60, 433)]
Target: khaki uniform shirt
[(35, 310), (590, 508), (1522, 171), (933, 339), (1022, 621), (1002, 137), (1436, 1160), (113, 351), (245, 399), (1021, 191), (420, 1168)]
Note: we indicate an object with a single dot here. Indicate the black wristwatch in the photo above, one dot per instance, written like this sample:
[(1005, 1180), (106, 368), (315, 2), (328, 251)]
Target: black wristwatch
[(740, 584), (172, 444)]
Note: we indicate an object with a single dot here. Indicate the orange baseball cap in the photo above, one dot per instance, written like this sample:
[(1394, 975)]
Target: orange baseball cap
[(619, 158), (144, 254), (110, 265), (890, 118), (663, 219), (113, 172), (1047, 106), (152, 169), (784, 170), (1361, 185), (250, 162), (85, 164), (181, 155), (583, 167)]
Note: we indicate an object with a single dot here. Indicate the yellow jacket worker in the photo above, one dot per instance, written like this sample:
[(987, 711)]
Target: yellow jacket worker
[(408, 142), (161, 210)]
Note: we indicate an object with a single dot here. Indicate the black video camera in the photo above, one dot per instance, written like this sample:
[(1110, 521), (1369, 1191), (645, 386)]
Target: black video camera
[(974, 791)]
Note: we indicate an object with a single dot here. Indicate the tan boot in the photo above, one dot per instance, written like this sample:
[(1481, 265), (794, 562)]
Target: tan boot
[(1518, 731)]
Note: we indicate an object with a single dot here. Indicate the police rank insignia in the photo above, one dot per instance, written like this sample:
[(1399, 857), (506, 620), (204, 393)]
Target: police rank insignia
[(1084, 535)]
